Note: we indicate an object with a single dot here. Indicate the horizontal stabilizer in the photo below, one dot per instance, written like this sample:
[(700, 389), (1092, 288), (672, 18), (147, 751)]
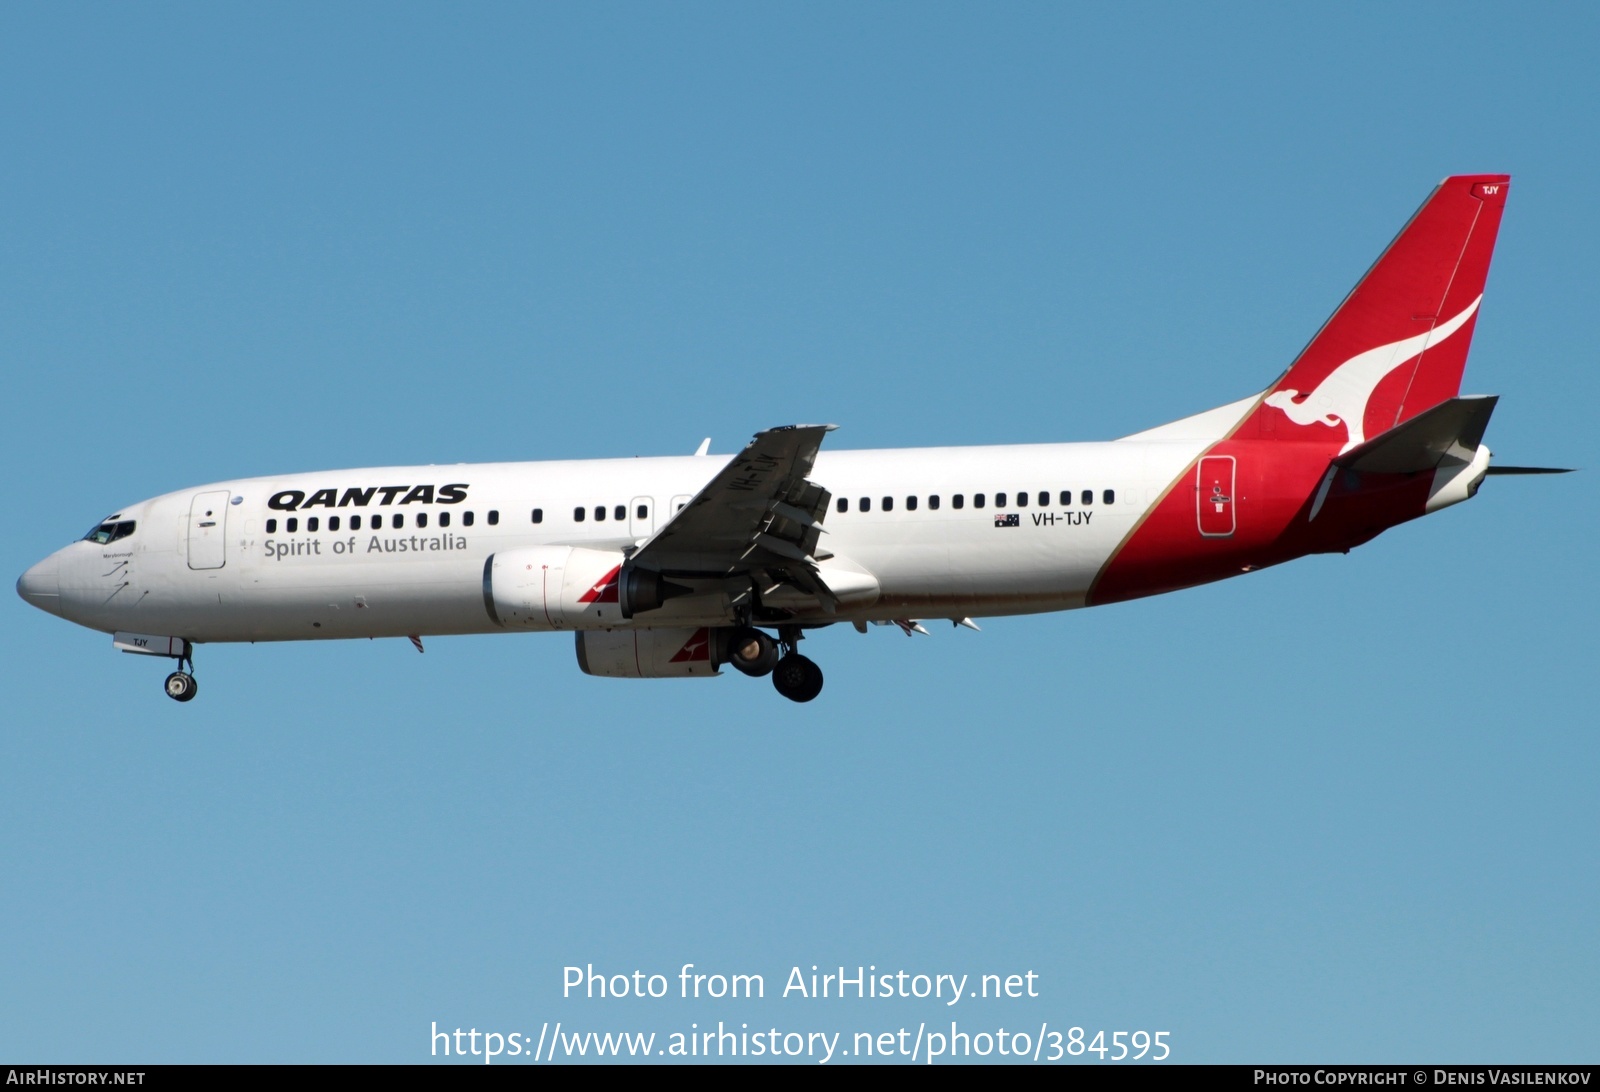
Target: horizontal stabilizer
[(1530, 470), (1446, 435)]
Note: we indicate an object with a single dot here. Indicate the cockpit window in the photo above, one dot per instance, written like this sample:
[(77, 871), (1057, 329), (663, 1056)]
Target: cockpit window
[(110, 531)]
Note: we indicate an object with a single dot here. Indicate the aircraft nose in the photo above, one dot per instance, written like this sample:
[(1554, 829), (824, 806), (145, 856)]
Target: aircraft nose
[(41, 585)]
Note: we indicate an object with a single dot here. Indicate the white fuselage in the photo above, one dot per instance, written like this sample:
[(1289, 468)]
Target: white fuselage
[(219, 563), (670, 567)]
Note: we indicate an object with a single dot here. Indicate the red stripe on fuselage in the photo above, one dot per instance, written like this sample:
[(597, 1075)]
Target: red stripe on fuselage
[(1275, 491)]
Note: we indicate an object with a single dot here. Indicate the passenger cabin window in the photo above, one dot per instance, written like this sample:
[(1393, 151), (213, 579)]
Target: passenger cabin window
[(466, 519), (422, 519), (842, 504), (494, 516), (958, 501), (999, 500), (933, 501), (1044, 499), (444, 519), (355, 523), (1022, 499), (578, 514), (311, 523), (911, 504), (620, 512), (888, 504), (291, 525), (865, 505), (1066, 498), (1088, 496), (397, 521), (599, 512), (333, 523), (538, 517), (643, 512), (977, 500), (272, 528), (1109, 496)]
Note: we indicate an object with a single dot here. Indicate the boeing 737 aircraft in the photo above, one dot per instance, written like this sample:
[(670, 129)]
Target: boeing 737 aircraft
[(669, 567)]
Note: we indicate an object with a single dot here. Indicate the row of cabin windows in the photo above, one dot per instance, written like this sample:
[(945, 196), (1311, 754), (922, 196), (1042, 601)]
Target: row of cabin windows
[(981, 500), (375, 522), (618, 512)]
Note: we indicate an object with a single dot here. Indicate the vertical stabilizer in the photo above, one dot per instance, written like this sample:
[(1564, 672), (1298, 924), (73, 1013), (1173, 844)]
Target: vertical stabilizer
[(1397, 345)]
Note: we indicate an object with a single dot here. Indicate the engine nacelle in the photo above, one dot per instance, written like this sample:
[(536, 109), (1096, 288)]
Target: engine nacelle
[(672, 653), (552, 587), (569, 587)]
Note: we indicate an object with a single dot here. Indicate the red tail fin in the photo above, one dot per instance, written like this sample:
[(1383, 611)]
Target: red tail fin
[(1397, 345)]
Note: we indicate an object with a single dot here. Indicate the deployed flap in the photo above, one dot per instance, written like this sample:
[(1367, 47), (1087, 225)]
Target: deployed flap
[(1447, 434), (758, 512)]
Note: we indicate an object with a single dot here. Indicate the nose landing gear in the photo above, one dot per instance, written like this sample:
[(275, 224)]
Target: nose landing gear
[(180, 685)]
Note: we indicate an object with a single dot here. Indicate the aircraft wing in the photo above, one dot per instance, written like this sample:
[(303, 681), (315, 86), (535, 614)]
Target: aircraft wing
[(759, 513)]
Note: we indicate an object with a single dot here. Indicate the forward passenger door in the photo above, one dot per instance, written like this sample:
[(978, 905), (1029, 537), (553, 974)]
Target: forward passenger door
[(208, 530)]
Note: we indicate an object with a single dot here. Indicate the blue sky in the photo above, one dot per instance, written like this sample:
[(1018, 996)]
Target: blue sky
[(1343, 810)]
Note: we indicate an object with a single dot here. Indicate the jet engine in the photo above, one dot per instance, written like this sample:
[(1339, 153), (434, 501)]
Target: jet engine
[(569, 587), (670, 653)]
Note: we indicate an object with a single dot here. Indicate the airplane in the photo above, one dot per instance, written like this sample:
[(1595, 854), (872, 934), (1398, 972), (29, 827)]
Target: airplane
[(677, 566)]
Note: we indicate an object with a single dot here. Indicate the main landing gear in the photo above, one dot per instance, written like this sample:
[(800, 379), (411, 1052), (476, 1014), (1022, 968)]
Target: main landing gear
[(795, 676), (755, 653), (180, 685), (752, 652)]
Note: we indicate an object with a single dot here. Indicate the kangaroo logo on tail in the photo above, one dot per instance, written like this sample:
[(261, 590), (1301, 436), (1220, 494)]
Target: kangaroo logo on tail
[(1343, 395)]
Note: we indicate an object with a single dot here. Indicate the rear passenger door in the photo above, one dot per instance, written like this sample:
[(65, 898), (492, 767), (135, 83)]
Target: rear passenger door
[(1214, 496)]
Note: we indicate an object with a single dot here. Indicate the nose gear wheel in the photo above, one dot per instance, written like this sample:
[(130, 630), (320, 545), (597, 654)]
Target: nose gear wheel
[(181, 686)]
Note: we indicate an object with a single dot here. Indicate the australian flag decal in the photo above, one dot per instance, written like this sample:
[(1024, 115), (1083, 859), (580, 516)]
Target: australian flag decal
[(1010, 519)]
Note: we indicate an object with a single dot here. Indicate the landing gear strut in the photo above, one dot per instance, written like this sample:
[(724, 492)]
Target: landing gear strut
[(180, 685), (795, 676)]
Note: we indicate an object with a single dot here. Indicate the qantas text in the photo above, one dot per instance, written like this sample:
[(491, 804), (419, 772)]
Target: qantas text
[(292, 500)]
